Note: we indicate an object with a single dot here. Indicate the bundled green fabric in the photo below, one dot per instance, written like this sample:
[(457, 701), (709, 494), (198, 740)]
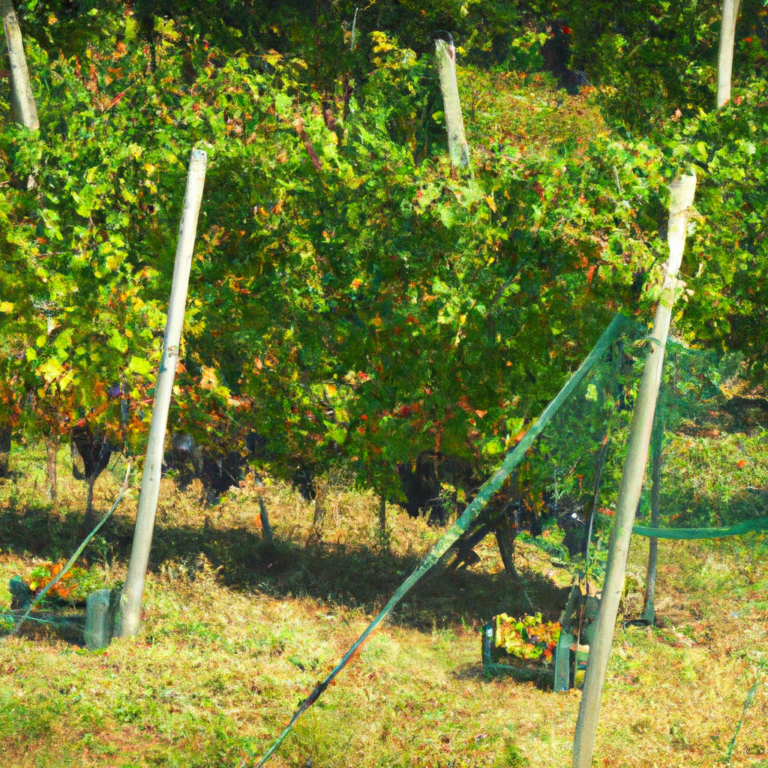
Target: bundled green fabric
[(761, 524)]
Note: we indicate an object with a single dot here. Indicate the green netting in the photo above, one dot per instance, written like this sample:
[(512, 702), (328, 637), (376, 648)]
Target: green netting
[(693, 381), (618, 326), (760, 524), (558, 465)]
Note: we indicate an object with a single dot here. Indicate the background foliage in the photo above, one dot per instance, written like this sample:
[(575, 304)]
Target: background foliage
[(352, 300)]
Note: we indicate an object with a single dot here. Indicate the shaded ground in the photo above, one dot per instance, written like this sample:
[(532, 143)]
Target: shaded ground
[(346, 564), (218, 671), (236, 633)]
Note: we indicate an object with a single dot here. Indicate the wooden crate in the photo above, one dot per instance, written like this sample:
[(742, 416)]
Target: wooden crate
[(582, 607)]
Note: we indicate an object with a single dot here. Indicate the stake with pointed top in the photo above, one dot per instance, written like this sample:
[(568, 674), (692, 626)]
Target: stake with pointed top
[(133, 592)]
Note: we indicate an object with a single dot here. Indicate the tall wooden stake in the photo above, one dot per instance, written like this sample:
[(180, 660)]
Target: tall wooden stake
[(454, 122), (133, 591), (681, 198), (725, 52), (22, 98)]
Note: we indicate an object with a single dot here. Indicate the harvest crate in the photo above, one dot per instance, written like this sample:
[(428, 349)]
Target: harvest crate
[(581, 609), (92, 627), (520, 669)]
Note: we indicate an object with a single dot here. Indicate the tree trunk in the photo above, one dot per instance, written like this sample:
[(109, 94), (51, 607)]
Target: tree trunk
[(382, 514), (506, 544), (681, 199), (454, 121), (6, 433), (22, 98), (133, 591), (725, 52), (464, 548), (89, 516), (51, 474), (649, 612), (148, 27)]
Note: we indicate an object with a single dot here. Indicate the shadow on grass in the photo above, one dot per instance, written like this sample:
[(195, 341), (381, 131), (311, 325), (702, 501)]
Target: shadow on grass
[(353, 576)]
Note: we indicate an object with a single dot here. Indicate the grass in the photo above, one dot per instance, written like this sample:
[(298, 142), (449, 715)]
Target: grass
[(237, 632)]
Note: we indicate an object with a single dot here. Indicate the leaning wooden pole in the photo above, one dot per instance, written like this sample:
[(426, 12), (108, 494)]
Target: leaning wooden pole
[(657, 440), (725, 51), (133, 592), (454, 122), (22, 98), (681, 198)]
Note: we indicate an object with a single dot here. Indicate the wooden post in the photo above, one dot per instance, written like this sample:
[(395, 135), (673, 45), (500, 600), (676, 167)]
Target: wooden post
[(725, 52), (454, 122), (657, 438), (22, 98), (51, 456), (264, 516), (318, 520), (681, 198), (382, 514), (99, 619), (133, 591), (6, 434)]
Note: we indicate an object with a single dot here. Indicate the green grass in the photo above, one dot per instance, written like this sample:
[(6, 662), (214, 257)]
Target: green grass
[(236, 633)]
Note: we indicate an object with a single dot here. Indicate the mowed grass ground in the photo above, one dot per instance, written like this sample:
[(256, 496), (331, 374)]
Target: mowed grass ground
[(236, 633)]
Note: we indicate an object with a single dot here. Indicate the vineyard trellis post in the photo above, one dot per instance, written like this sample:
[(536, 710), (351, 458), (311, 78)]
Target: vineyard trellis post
[(266, 526), (682, 192), (454, 121), (22, 99), (382, 513), (133, 592), (725, 51)]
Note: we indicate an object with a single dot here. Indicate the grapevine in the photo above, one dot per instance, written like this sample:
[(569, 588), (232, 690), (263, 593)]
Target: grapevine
[(74, 586)]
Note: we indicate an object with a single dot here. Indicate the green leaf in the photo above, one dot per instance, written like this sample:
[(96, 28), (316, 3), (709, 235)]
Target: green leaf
[(283, 104), (338, 435), (117, 342), (137, 365), (50, 369), (699, 151), (493, 447)]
